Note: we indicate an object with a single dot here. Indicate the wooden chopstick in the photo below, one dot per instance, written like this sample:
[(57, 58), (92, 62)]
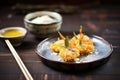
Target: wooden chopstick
[(19, 61)]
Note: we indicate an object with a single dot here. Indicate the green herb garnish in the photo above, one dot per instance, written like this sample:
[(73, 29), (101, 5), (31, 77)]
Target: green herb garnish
[(75, 35), (81, 40), (81, 43), (67, 42)]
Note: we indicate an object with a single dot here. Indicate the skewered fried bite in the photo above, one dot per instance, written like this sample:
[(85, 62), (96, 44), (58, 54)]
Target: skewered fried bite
[(85, 45), (71, 49)]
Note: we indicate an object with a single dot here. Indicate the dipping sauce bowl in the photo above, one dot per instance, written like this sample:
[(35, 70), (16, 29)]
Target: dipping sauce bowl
[(14, 34)]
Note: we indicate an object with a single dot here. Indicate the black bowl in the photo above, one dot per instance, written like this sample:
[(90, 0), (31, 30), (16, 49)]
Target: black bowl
[(100, 55)]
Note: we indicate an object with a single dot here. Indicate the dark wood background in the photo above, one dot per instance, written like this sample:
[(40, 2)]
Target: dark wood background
[(76, 2), (103, 21)]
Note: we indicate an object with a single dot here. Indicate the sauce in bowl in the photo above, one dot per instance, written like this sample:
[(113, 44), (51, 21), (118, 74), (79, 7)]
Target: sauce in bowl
[(12, 32)]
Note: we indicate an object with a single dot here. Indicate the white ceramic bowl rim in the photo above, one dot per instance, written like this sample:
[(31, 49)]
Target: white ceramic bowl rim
[(40, 13), (9, 28)]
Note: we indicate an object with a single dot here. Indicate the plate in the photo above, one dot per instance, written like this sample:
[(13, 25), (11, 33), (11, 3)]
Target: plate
[(100, 55)]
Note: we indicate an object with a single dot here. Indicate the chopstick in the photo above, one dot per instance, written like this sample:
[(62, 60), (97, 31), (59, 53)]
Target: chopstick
[(19, 61)]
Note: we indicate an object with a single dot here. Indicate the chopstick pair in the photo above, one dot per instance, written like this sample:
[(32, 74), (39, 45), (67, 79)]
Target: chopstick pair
[(19, 61)]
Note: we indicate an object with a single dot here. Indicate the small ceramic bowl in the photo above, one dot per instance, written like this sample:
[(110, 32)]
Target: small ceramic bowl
[(14, 34), (43, 29)]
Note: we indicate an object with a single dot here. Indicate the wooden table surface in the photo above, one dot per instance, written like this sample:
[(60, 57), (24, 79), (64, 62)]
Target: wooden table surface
[(104, 22)]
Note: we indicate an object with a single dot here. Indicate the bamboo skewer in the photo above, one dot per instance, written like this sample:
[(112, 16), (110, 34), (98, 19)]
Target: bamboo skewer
[(19, 61)]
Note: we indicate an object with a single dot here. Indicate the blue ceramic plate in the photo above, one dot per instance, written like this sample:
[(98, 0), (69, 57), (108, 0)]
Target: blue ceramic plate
[(100, 55)]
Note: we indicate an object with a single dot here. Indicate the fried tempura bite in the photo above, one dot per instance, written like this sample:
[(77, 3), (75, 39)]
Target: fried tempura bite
[(69, 54)]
